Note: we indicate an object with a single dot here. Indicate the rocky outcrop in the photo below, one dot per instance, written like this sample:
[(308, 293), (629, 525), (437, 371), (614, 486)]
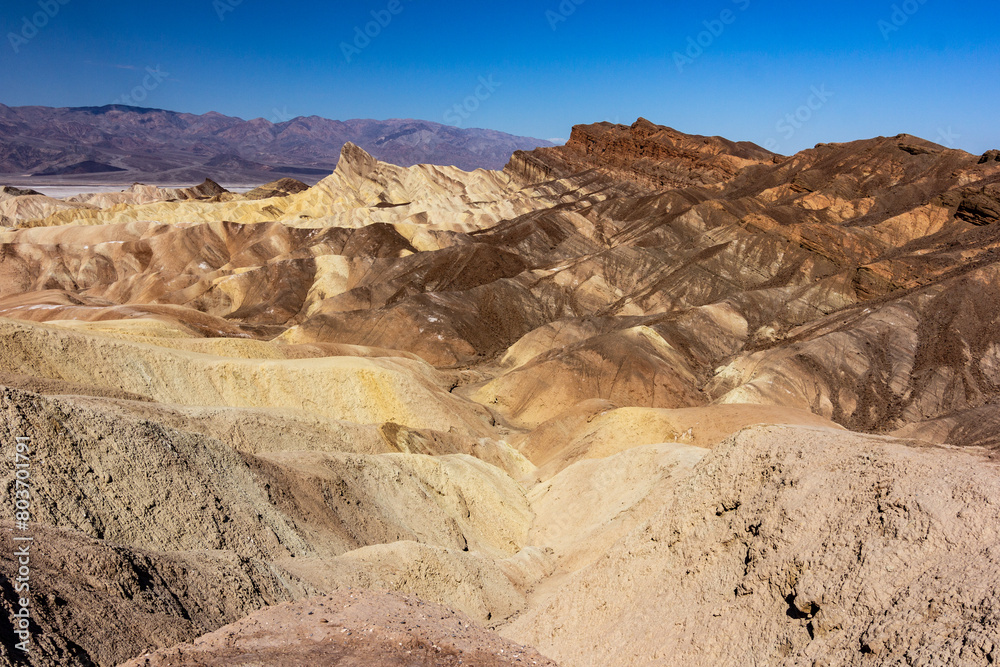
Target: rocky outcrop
[(652, 156), (283, 187), (9, 191)]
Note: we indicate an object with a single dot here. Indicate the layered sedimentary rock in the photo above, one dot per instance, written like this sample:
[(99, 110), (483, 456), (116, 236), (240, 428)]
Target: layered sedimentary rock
[(646, 398), (652, 156)]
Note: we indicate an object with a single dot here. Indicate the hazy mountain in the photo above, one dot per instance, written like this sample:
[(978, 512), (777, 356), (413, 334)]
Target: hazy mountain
[(123, 144)]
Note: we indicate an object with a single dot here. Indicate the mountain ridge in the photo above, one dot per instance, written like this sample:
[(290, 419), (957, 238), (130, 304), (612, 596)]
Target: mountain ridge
[(149, 144)]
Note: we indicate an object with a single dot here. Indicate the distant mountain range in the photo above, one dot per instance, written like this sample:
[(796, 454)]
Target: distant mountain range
[(122, 144)]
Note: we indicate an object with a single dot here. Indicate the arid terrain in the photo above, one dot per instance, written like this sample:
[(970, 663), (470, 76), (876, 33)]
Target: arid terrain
[(647, 398)]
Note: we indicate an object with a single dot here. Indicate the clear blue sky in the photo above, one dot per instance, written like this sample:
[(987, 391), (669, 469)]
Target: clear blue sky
[(930, 68)]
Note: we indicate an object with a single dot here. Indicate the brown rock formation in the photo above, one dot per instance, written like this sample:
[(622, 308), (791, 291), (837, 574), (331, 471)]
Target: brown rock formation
[(652, 156)]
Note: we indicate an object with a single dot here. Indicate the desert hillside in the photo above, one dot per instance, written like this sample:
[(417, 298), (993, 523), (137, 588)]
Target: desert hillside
[(647, 398)]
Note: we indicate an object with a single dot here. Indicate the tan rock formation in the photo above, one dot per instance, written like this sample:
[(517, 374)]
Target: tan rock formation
[(791, 546)]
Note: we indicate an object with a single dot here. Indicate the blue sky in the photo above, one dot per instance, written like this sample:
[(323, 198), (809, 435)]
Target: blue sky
[(785, 75)]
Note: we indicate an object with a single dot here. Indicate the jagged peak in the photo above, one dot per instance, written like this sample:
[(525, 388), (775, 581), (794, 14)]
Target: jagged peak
[(355, 160), (646, 123)]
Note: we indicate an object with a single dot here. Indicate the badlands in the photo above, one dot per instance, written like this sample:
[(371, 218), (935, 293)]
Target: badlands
[(643, 399)]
